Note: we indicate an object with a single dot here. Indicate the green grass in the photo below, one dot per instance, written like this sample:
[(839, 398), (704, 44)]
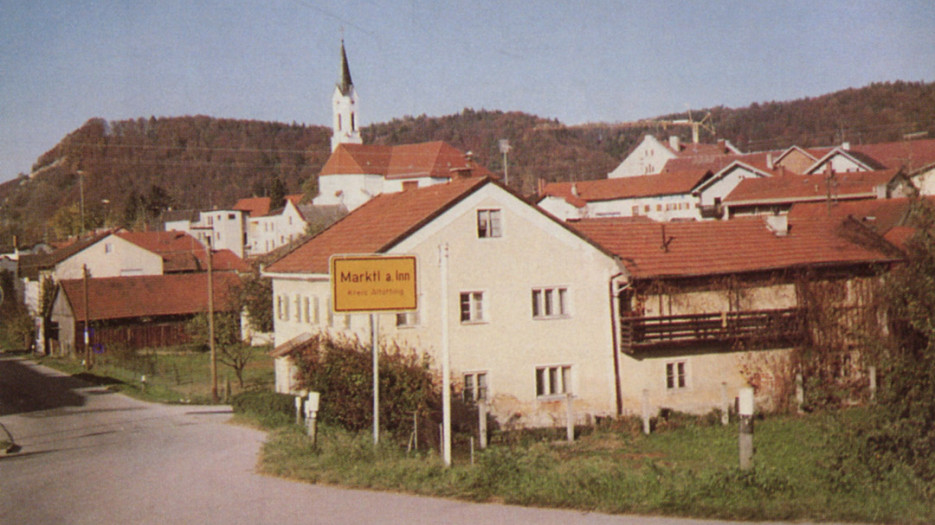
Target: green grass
[(171, 376), (686, 471)]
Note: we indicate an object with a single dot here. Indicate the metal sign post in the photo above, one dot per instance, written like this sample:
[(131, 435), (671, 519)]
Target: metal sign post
[(372, 284)]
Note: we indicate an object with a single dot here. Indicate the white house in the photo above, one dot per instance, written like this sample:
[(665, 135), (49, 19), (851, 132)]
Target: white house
[(651, 155), (662, 197), (222, 229)]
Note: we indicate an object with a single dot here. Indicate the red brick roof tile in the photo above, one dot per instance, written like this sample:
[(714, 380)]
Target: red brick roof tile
[(674, 183), (792, 188), (377, 225), (149, 295), (689, 249)]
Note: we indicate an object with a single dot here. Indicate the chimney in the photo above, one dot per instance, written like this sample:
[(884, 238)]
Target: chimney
[(846, 146), (769, 161), (778, 224), (675, 143), (540, 186), (574, 189)]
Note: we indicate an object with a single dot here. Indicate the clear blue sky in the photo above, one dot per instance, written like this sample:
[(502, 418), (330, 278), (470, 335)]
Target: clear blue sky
[(64, 62)]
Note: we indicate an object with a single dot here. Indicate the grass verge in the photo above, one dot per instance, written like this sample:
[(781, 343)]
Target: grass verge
[(171, 376), (687, 471)]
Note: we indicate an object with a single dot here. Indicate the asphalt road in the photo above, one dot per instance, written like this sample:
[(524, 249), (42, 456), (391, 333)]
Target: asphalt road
[(88, 455)]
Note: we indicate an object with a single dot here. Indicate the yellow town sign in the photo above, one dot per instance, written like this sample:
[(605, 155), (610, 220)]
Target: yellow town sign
[(371, 283)]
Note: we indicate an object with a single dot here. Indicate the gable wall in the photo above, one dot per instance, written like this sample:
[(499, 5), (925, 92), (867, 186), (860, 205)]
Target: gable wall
[(110, 257)]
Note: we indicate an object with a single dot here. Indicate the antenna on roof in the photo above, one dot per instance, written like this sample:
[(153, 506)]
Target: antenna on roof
[(665, 240)]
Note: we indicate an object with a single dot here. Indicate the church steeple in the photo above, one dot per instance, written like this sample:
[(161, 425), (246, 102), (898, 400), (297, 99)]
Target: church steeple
[(346, 83), (344, 105)]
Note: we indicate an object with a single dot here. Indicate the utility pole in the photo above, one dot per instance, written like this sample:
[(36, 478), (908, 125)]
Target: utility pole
[(214, 355), (87, 321), (446, 362), (81, 193)]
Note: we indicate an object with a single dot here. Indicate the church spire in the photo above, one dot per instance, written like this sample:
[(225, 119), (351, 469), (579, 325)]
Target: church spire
[(345, 126), (346, 83)]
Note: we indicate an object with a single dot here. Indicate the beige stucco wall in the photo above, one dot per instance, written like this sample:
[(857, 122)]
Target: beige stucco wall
[(509, 344), (110, 257)]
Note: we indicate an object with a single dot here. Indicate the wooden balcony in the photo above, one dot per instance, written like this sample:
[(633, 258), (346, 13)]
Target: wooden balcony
[(751, 328)]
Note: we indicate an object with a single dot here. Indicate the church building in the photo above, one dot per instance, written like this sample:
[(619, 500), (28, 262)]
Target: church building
[(357, 172)]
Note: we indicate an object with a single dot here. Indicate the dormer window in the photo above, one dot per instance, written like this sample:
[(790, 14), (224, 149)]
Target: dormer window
[(488, 224)]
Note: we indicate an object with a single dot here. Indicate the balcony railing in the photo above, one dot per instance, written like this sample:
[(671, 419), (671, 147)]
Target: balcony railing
[(753, 328)]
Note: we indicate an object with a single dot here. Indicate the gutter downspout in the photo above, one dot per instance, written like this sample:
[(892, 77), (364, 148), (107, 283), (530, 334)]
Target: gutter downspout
[(614, 321)]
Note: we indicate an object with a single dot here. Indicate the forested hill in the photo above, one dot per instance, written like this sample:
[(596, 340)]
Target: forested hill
[(132, 169)]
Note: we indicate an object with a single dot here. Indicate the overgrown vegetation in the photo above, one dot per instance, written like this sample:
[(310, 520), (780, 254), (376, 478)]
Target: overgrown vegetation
[(342, 370), (16, 325)]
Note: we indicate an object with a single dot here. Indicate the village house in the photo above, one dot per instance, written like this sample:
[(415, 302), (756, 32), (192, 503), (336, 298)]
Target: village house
[(220, 229), (270, 229), (777, 194), (539, 309), (657, 197), (651, 155)]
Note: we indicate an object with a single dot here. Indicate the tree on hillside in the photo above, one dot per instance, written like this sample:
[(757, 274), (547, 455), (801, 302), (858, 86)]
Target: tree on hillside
[(277, 194)]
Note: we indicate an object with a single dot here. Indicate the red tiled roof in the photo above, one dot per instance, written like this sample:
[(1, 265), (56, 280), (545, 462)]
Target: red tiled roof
[(881, 215), (259, 206), (149, 295), (725, 247), (377, 225), (790, 188), (428, 159), (181, 252), (909, 154), (627, 187), (716, 163)]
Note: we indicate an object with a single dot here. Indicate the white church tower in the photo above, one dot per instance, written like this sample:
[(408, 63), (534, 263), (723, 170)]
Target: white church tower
[(344, 105)]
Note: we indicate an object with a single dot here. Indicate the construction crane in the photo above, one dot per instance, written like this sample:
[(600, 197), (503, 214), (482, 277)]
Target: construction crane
[(696, 125)]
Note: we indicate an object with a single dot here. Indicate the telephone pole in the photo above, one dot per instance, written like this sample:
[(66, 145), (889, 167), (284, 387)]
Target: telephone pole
[(214, 355)]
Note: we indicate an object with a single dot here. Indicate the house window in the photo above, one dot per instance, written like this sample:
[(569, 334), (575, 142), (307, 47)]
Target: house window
[(675, 375), (475, 386), (306, 310), (108, 247), (472, 307), (488, 224), (549, 303), (407, 319), (553, 380), (339, 123), (278, 307), (353, 121), (317, 315), (646, 208), (231, 216), (285, 308), (330, 314), (636, 210), (210, 220)]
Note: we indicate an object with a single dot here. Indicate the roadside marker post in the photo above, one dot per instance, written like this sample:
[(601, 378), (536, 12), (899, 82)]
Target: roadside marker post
[(311, 415), (746, 428)]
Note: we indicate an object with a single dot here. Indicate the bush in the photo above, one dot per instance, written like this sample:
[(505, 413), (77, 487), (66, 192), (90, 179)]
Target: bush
[(271, 409), (342, 370)]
